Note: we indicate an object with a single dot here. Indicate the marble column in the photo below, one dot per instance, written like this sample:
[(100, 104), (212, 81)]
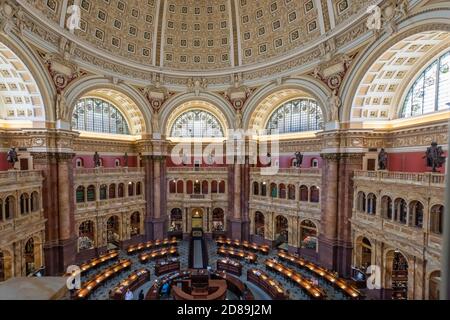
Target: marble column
[(147, 164)]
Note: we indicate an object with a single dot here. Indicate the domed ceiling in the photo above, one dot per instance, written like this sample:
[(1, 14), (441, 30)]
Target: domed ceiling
[(203, 34)]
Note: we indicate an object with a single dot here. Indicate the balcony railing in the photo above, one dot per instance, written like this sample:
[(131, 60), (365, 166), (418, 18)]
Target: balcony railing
[(292, 171), (418, 178), (15, 176), (108, 171), (199, 169)]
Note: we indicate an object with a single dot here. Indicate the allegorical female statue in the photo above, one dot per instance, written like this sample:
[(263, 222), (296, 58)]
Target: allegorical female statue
[(96, 159), (382, 160), (298, 158), (435, 156), (11, 156)]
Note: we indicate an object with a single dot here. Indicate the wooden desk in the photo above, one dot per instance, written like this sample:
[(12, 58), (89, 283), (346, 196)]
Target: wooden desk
[(312, 290), (158, 254), (154, 292), (99, 261), (95, 282), (235, 285), (216, 290), (230, 266), (349, 290), (238, 254), (264, 249), (149, 245), (270, 286), (134, 281), (166, 267)]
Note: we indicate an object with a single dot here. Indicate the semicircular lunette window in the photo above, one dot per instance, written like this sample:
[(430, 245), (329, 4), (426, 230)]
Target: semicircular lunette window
[(196, 124), (97, 115), (296, 116), (430, 92)]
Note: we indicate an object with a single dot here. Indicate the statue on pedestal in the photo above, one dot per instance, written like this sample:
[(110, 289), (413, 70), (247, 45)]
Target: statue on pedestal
[(435, 156), (12, 156), (382, 160), (97, 159), (299, 159)]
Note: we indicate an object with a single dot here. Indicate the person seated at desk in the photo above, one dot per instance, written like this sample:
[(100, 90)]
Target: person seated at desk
[(165, 289)]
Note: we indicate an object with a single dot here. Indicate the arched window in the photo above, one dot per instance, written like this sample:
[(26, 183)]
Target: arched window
[(135, 224), (259, 224), (120, 191), (180, 187), (218, 219), (204, 187), (91, 193), (416, 214), (361, 202), (429, 93), (386, 207), (172, 186), (371, 203), (189, 187), (113, 230), (308, 235), (197, 187), (79, 163), (303, 193), (196, 124), (86, 235), (255, 188), (436, 219), (112, 191), (97, 115), (296, 116), (35, 201), (29, 256), (117, 162), (400, 210), (291, 192), (130, 189), (315, 194), (263, 189), (281, 228), (24, 203), (314, 163), (282, 191), (176, 220), (10, 207), (80, 194), (273, 190), (222, 186), (138, 188), (103, 192)]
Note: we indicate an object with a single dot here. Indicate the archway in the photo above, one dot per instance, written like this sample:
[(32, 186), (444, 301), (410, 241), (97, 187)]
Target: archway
[(113, 232), (176, 220), (259, 224), (397, 274), (135, 224), (86, 235), (363, 258), (308, 235), (281, 229), (197, 218), (434, 285), (29, 256), (218, 220)]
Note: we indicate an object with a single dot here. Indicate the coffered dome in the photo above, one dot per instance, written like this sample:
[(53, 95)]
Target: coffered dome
[(200, 35)]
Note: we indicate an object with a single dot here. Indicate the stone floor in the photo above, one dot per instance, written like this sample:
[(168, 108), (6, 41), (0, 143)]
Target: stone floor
[(296, 293)]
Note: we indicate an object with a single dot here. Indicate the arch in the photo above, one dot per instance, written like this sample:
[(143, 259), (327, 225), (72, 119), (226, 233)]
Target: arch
[(273, 190), (112, 191), (24, 203), (371, 203), (308, 235), (282, 191), (400, 210), (138, 188), (262, 103), (197, 187), (172, 186), (176, 219), (180, 186), (208, 101), (204, 187), (314, 194), (113, 231), (222, 186), (130, 189), (189, 187), (79, 163), (361, 202), (35, 201), (130, 101), (386, 207), (90, 193), (29, 256), (363, 253), (80, 194), (314, 163), (304, 193), (10, 207), (218, 219), (420, 23), (259, 224), (263, 189), (291, 192), (36, 76), (103, 192), (86, 235), (135, 224), (196, 123), (434, 285), (396, 275), (281, 228), (120, 190), (437, 219), (416, 214)]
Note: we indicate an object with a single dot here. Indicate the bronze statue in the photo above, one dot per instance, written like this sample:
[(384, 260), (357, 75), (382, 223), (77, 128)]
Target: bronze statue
[(12, 156), (299, 158), (125, 160), (382, 160), (97, 159), (435, 156)]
